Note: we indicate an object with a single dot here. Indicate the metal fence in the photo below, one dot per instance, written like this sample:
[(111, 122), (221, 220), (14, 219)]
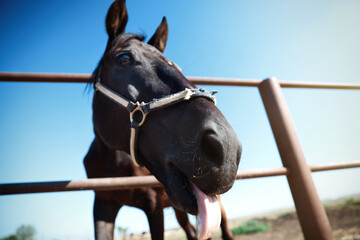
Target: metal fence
[(311, 213)]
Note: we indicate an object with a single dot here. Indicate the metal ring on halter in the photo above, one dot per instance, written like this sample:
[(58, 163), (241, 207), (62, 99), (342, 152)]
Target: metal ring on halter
[(143, 116)]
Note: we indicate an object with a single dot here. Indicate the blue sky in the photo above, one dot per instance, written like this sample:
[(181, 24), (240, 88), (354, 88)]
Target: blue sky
[(46, 128)]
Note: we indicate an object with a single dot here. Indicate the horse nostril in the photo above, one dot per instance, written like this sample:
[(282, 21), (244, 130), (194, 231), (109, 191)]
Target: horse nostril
[(212, 148)]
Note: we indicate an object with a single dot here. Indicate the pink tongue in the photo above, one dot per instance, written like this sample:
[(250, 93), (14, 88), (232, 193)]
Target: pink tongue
[(209, 214)]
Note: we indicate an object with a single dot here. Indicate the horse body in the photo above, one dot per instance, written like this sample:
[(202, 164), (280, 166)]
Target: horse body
[(104, 162), (186, 144)]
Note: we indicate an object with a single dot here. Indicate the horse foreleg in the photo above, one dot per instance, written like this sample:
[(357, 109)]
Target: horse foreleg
[(151, 204), (225, 230), (105, 212), (156, 223), (183, 220)]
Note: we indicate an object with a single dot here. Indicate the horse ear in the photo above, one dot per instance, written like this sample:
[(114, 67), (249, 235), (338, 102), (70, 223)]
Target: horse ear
[(116, 19), (159, 38)]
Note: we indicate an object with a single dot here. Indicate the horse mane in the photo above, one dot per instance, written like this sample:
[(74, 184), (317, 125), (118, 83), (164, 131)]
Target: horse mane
[(123, 38)]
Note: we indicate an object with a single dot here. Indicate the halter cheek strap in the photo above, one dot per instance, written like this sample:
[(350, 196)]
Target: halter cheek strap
[(146, 108)]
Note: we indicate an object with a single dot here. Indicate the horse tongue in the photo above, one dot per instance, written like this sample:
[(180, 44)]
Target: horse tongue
[(209, 214)]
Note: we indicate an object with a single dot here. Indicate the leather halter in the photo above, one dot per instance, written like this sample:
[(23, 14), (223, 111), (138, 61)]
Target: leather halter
[(146, 108)]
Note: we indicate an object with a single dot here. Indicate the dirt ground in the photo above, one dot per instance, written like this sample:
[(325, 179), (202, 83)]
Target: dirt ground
[(343, 213), (344, 220)]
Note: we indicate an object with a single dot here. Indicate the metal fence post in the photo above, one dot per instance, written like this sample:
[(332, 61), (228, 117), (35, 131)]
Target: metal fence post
[(311, 213)]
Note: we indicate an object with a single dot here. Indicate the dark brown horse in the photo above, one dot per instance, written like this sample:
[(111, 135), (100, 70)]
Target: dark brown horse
[(177, 133)]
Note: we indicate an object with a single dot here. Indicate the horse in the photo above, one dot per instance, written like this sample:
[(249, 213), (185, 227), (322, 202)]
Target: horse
[(175, 133)]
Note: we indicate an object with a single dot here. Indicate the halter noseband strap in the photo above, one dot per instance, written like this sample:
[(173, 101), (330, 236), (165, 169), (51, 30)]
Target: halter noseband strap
[(146, 108)]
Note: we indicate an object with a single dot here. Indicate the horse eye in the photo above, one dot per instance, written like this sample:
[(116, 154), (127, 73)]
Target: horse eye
[(124, 59)]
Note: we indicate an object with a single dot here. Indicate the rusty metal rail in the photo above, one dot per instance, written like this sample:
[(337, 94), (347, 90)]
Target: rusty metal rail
[(311, 213), (123, 183), (84, 78)]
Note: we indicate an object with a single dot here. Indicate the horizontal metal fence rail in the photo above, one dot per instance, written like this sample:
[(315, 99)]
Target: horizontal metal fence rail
[(84, 78), (123, 183)]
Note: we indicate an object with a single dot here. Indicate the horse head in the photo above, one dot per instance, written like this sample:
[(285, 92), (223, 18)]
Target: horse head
[(187, 144)]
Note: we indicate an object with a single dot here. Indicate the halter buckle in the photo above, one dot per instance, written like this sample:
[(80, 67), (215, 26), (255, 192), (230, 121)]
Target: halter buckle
[(133, 123)]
